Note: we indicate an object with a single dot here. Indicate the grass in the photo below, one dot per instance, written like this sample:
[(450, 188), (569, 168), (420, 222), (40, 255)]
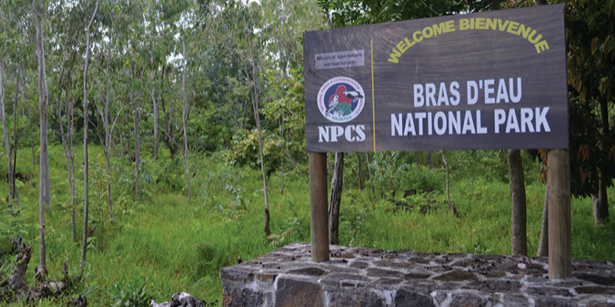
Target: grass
[(165, 244)]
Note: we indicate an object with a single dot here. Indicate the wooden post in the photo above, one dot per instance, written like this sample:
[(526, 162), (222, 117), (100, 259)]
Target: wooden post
[(558, 181), (318, 207)]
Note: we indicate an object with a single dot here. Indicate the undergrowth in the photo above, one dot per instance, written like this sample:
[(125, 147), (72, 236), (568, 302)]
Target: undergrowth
[(165, 244)]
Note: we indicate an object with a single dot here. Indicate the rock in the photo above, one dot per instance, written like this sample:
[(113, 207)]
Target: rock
[(456, 275), (243, 297), (352, 298), (597, 279), (79, 301), (554, 302), (295, 292), (466, 299), (406, 297), (182, 299), (309, 272)]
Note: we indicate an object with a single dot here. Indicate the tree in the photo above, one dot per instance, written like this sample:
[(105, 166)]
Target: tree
[(185, 119), (336, 198), (591, 75), (7, 143), (84, 243), (41, 273)]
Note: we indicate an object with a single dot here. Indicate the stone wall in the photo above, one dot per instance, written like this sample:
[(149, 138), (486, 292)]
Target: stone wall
[(370, 277)]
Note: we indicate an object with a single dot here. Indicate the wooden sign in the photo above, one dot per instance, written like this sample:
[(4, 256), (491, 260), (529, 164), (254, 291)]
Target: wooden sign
[(492, 80)]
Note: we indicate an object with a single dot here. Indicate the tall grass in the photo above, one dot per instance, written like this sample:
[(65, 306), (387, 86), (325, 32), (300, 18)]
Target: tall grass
[(164, 244)]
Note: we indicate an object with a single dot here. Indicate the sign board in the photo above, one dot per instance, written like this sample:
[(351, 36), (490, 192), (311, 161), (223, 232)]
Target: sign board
[(492, 80)]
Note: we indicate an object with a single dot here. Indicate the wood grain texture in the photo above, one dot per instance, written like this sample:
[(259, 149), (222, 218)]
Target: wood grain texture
[(459, 55), (517, 193), (319, 222), (558, 181)]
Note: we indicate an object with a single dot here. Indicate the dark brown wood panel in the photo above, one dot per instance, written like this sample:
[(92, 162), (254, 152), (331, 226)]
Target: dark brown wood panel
[(454, 55)]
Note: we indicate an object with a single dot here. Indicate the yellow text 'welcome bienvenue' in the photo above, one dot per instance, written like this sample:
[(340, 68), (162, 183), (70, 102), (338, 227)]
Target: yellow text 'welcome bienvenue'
[(494, 24)]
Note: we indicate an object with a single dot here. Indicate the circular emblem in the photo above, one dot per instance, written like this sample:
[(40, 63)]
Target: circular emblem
[(341, 99)]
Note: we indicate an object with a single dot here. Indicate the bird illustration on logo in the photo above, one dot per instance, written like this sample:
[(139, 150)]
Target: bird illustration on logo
[(352, 94), (341, 99), (333, 103)]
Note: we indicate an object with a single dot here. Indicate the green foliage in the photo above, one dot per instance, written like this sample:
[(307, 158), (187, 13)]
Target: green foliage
[(165, 244), (131, 294), (590, 30), (245, 150)]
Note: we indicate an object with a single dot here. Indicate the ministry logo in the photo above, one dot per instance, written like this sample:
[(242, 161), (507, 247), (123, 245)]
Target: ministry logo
[(341, 99)]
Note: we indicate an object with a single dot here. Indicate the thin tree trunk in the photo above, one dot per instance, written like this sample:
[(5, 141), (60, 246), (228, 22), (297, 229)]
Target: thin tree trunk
[(543, 244), (282, 160), (601, 206), (260, 136), (185, 122), (84, 243), (67, 140), (71, 151), (7, 142), (108, 134), (136, 120), (31, 132), (517, 192), (196, 150), (359, 172), (337, 182), (15, 137), (41, 273), (156, 113), (369, 171), (428, 159), (169, 138)]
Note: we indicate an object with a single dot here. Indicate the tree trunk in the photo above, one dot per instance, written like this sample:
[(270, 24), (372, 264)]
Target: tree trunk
[(84, 243), (282, 159), (15, 138), (260, 136), (517, 192), (169, 138), (136, 120), (601, 205), (543, 244), (369, 171), (359, 172), (196, 151), (7, 142), (31, 132), (71, 151), (108, 134), (428, 158), (185, 121), (336, 197), (156, 117), (41, 273)]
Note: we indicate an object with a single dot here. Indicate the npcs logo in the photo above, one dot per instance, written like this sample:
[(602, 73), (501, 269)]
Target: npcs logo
[(352, 133), (341, 99)]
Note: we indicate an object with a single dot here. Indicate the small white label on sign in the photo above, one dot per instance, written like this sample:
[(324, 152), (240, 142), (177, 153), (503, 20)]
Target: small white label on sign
[(340, 59)]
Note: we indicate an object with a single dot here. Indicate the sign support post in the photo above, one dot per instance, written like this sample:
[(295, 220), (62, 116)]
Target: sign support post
[(319, 219), (558, 181)]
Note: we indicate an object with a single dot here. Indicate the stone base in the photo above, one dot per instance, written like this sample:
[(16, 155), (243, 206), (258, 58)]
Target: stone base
[(370, 277)]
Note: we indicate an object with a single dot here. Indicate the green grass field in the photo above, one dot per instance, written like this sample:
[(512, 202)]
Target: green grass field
[(164, 244)]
